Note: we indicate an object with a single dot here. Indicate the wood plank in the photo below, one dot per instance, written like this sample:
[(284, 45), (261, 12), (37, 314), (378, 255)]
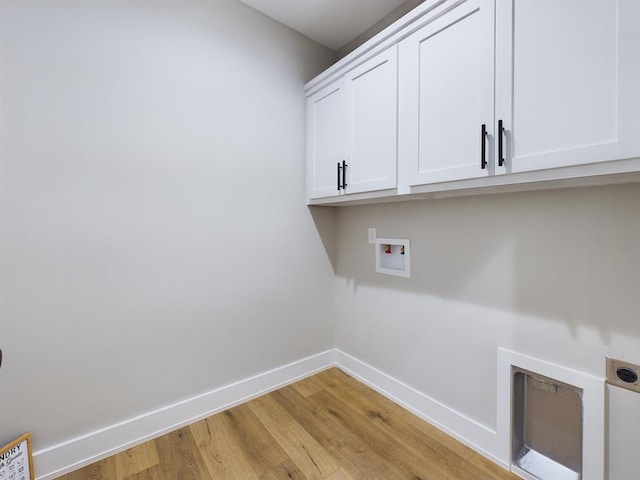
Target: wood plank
[(258, 446), (222, 456), (348, 449), (404, 427), (398, 423), (344, 386), (136, 459), (153, 473), (461, 459), (300, 446), (398, 458), (287, 470), (180, 457), (308, 386), (340, 474), (102, 470)]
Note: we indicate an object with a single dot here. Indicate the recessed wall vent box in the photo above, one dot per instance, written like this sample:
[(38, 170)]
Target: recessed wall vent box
[(393, 256), (547, 427), (551, 422)]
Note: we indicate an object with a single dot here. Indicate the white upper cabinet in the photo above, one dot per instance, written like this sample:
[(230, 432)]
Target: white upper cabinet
[(326, 140), (567, 82), (555, 83), (446, 106), (372, 98), (479, 94), (352, 130)]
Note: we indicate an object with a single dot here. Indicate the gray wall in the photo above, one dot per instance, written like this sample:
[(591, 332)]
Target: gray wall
[(154, 239), (551, 274)]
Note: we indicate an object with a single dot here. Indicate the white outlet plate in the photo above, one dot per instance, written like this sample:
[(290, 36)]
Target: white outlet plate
[(372, 235), (613, 365)]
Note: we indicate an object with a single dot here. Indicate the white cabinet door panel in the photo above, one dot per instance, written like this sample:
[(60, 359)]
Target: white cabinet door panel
[(326, 127), (373, 111), (447, 94), (567, 81)]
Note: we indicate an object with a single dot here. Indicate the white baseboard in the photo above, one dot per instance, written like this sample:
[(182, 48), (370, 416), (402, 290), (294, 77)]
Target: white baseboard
[(57, 460), (464, 429), (65, 457)]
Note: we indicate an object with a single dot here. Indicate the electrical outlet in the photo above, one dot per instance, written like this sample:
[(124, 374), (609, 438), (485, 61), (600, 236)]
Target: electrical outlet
[(372, 235), (623, 374)]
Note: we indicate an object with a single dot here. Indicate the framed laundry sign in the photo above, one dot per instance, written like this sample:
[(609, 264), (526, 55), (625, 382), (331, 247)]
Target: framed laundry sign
[(16, 460)]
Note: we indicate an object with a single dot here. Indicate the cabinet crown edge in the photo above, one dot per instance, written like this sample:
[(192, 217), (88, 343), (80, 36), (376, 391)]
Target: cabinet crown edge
[(391, 35)]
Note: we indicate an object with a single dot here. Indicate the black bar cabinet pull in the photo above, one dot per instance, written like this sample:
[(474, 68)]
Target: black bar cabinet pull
[(344, 174), (339, 179), (483, 154), (500, 139)]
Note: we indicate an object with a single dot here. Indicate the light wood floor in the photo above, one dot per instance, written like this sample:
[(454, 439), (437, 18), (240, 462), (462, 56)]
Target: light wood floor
[(326, 427)]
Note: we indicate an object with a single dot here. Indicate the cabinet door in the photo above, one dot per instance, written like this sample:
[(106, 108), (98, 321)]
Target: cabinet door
[(447, 95), (326, 127), (372, 97), (568, 77)]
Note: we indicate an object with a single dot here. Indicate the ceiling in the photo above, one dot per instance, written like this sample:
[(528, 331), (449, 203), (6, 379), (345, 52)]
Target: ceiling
[(332, 23)]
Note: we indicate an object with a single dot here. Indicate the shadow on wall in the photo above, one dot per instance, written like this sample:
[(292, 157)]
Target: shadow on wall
[(571, 255), (325, 221)]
